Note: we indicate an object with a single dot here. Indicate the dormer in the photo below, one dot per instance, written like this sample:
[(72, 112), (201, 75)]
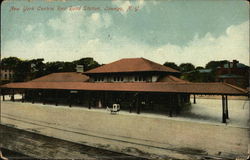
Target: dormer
[(130, 70)]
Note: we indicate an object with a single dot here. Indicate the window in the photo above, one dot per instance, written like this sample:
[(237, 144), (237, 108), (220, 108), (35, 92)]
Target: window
[(144, 78), (135, 78), (121, 78), (114, 78), (5, 76)]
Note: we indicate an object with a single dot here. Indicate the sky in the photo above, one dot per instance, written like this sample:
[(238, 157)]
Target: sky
[(160, 30)]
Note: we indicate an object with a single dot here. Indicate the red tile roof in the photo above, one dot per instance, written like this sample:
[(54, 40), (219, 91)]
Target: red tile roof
[(170, 78), (131, 65), (63, 77), (167, 87)]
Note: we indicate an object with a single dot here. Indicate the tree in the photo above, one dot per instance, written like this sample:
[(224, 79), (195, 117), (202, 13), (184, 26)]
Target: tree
[(186, 67), (214, 64), (59, 66), (10, 62), (23, 71), (54, 67), (198, 68), (69, 67), (37, 68), (88, 63), (171, 65)]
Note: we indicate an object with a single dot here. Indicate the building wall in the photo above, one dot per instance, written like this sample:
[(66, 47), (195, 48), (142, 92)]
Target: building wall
[(242, 72), (6, 74), (125, 78)]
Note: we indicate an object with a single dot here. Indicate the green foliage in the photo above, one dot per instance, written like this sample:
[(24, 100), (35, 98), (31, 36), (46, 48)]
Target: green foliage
[(199, 67), (10, 62), (25, 70), (88, 63), (37, 68), (171, 65), (22, 72), (186, 67), (214, 64), (196, 76)]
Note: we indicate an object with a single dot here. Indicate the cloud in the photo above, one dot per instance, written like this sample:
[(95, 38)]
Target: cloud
[(81, 35), (70, 29), (128, 4), (29, 28), (69, 23), (95, 17), (124, 5), (233, 44), (77, 23)]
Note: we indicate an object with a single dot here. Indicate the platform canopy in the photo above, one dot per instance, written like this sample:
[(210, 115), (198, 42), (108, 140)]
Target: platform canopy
[(163, 87), (63, 77)]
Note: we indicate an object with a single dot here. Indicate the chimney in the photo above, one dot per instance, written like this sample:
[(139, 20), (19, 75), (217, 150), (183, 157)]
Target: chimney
[(79, 68), (235, 63)]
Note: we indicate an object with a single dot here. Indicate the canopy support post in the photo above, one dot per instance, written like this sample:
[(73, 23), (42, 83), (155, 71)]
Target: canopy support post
[(56, 97), (13, 95), (33, 96), (171, 105), (138, 105), (223, 110), (70, 101), (194, 99), (226, 108), (23, 96), (43, 97), (89, 100)]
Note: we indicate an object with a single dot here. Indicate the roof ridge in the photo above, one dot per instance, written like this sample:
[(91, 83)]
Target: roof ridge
[(235, 87), (135, 65), (158, 64)]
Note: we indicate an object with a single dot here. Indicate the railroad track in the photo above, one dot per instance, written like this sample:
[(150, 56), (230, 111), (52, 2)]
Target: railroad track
[(41, 146)]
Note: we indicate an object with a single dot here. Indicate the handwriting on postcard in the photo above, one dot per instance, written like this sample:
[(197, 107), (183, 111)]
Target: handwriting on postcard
[(73, 8)]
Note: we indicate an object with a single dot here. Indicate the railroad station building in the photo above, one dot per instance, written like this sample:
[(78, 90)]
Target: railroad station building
[(137, 84)]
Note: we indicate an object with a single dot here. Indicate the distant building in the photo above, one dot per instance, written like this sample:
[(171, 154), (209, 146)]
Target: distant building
[(234, 73), (6, 75)]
